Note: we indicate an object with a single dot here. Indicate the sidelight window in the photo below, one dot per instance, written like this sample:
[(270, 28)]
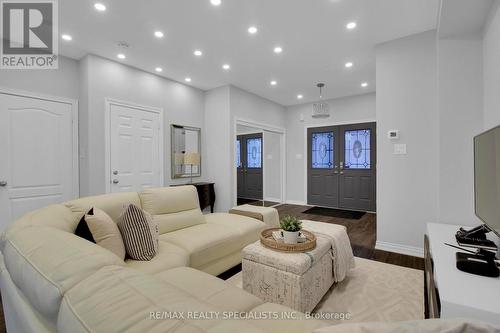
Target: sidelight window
[(238, 153)]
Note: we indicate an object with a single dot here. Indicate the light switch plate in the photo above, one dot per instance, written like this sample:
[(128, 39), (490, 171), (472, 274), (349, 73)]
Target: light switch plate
[(298, 156), (400, 149)]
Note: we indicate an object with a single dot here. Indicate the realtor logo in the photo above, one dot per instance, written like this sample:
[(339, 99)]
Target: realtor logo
[(29, 34)]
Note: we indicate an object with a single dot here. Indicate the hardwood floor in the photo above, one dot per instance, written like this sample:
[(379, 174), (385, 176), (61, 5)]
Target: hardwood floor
[(362, 233), (2, 320)]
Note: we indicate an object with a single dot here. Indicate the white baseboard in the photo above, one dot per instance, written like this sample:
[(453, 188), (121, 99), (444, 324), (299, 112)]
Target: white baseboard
[(399, 248), (293, 202)]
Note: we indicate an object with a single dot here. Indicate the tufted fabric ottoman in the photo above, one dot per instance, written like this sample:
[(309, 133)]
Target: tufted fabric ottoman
[(297, 280)]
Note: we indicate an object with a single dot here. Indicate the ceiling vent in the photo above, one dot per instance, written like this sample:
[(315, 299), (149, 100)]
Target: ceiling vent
[(123, 44), (320, 109)]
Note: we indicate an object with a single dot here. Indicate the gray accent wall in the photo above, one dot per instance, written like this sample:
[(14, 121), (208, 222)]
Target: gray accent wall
[(62, 82), (103, 78), (460, 119), (407, 99), (218, 144), (491, 57)]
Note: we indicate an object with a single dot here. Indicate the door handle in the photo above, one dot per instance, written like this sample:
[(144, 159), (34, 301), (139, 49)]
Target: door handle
[(3, 183), (115, 181), (115, 172)]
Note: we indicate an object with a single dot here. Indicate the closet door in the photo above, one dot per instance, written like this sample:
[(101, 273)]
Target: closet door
[(250, 166), (39, 155)]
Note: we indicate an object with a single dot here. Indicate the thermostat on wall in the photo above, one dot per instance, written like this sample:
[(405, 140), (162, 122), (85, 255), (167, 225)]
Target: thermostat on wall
[(393, 134)]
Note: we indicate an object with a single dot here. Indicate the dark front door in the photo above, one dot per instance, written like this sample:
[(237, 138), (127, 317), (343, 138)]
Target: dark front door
[(323, 184), (341, 166), (249, 164)]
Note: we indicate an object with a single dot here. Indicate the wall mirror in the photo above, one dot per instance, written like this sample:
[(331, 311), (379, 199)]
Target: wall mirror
[(186, 151)]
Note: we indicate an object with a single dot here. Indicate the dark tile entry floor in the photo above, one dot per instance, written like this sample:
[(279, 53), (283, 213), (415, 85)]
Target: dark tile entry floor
[(254, 202)]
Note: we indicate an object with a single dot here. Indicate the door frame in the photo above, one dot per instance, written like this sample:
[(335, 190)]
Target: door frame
[(263, 127), (326, 124), (108, 102), (74, 113)]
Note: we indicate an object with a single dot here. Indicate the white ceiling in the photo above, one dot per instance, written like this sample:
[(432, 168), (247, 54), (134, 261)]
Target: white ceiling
[(312, 33), (463, 18)]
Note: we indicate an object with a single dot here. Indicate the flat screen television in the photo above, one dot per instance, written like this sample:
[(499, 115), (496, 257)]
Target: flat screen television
[(487, 178)]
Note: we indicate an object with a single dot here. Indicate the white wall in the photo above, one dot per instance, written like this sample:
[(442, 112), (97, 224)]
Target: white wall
[(255, 108), (103, 78), (491, 57), (218, 143), (407, 185), (355, 109), (62, 82), (272, 166), (460, 119)]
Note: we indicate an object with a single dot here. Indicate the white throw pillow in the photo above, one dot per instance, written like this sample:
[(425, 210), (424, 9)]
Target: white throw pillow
[(105, 232)]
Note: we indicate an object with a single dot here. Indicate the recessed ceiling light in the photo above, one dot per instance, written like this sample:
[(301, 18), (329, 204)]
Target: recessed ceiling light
[(100, 7), (188, 79), (121, 56), (159, 34), (300, 96), (351, 25), (198, 53), (216, 2), (348, 64), (364, 84), (67, 37), (252, 30), (278, 49), (226, 67), (273, 83), (159, 69)]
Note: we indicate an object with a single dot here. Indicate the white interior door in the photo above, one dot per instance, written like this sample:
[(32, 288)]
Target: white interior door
[(38, 150), (136, 157)]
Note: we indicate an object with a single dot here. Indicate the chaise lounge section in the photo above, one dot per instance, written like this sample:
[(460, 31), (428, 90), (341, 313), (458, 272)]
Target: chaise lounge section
[(53, 280)]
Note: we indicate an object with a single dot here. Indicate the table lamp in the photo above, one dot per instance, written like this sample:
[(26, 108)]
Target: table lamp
[(192, 159)]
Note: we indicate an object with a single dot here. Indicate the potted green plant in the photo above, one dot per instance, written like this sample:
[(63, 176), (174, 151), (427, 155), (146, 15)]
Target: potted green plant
[(291, 227)]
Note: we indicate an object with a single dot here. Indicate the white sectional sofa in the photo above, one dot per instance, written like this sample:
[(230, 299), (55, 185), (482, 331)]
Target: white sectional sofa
[(52, 280)]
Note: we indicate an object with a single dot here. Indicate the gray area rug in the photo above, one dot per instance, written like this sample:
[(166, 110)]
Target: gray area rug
[(372, 291)]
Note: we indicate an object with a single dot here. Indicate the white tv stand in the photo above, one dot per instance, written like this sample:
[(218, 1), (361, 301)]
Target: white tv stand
[(460, 294)]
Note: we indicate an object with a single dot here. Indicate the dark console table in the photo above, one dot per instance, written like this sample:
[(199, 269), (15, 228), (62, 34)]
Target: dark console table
[(206, 194)]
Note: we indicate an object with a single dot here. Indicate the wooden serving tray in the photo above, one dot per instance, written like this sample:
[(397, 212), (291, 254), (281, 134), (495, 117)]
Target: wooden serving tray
[(266, 238)]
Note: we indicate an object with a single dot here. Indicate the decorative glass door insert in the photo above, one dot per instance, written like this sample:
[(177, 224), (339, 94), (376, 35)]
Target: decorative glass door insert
[(254, 153), (322, 150), (357, 149)]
